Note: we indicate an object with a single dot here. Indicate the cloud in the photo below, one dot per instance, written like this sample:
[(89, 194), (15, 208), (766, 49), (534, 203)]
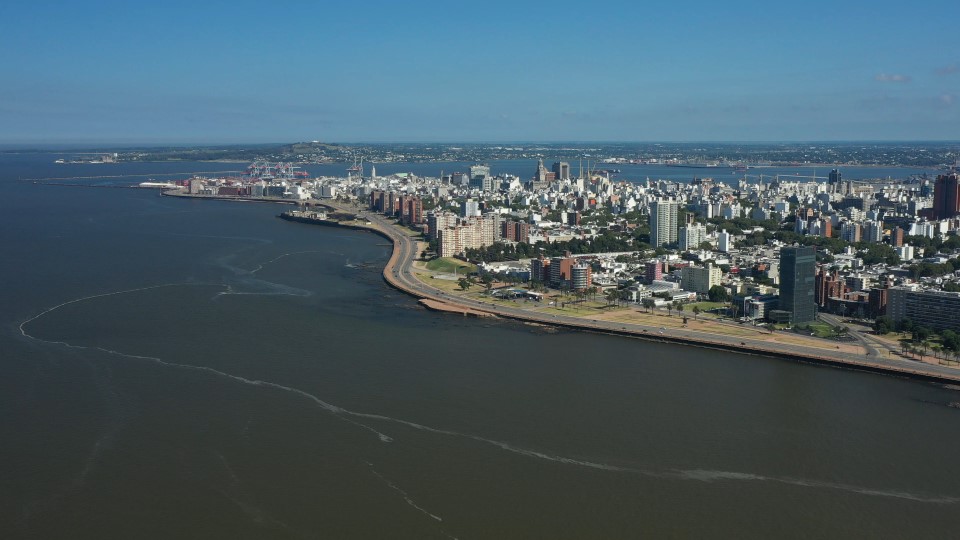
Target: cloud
[(947, 100), (883, 77), (949, 70)]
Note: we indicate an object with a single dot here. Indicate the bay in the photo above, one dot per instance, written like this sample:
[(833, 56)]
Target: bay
[(203, 369)]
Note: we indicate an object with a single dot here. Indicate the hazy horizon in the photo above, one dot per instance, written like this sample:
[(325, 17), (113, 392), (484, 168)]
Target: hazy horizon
[(431, 71), (118, 145)]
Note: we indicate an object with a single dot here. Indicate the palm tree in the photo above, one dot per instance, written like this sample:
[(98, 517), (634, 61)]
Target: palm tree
[(592, 291), (648, 303), (679, 306), (670, 309), (612, 296), (696, 312)]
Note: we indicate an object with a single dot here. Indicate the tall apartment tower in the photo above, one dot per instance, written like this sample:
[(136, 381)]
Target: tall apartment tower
[(798, 269), (692, 236), (663, 222)]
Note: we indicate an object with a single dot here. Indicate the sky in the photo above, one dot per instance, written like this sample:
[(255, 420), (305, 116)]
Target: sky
[(370, 71)]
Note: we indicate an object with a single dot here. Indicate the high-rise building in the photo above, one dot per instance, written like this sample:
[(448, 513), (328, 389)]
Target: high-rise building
[(516, 231), (580, 277), (561, 170), (653, 271), (934, 309), (699, 280), (540, 269), (663, 222), (946, 196), (469, 208), (833, 182), (724, 241), (872, 231), (896, 237), (828, 285), (850, 231), (692, 236), (560, 270), (797, 276)]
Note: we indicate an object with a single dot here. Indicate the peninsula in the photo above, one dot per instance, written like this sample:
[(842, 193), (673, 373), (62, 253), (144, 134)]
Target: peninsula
[(828, 269)]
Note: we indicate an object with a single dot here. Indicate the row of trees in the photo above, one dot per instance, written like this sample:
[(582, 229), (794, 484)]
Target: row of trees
[(920, 336), (605, 242), (925, 269)]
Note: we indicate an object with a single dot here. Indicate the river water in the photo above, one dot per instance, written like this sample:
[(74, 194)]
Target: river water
[(202, 369)]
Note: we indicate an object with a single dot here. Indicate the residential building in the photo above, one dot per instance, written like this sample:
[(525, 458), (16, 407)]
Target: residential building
[(724, 241), (692, 236), (580, 277), (699, 280), (540, 270), (936, 310), (653, 271), (663, 222), (850, 231)]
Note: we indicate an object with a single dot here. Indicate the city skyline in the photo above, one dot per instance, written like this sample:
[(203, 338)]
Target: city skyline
[(107, 72)]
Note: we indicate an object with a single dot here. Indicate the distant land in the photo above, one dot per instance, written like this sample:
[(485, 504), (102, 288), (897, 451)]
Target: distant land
[(886, 154)]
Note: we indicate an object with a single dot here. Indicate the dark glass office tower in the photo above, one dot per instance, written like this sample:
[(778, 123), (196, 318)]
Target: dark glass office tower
[(798, 267)]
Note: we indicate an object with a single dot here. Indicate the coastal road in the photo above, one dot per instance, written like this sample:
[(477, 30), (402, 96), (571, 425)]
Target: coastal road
[(398, 272)]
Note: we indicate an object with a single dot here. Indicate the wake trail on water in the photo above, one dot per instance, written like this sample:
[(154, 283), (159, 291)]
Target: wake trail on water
[(275, 259), (408, 499), (349, 416)]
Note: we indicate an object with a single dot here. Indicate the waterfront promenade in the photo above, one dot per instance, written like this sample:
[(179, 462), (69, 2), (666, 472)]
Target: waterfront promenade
[(399, 273)]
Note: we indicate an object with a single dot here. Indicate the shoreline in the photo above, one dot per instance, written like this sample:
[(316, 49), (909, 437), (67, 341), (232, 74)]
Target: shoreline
[(392, 272), (396, 275)]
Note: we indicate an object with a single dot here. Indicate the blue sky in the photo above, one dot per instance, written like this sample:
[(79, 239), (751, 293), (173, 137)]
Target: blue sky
[(222, 72)]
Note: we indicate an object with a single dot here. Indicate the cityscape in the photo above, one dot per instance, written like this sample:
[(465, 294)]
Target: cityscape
[(434, 270), (874, 257)]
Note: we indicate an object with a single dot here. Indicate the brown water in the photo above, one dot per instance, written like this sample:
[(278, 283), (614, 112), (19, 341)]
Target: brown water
[(214, 372)]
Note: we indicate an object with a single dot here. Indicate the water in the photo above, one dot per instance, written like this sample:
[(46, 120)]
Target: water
[(178, 368), (524, 168)]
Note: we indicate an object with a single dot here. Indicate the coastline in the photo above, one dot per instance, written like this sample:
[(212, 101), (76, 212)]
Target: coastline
[(396, 274)]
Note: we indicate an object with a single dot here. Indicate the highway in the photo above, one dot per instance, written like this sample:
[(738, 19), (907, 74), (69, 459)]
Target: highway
[(398, 272)]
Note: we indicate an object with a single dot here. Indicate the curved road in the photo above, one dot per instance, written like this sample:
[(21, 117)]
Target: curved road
[(398, 273)]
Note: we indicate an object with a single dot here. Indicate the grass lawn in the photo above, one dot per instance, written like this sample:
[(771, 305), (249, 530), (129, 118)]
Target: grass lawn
[(704, 306), (821, 330), (444, 285), (449, 264)]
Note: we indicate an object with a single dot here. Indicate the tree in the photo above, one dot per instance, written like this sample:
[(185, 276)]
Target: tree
[(612, 296), (718, 293), (679, 306), (464, 284), (696, 312), (905, 325), (648, 303), (951, 340), (883, 325)]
